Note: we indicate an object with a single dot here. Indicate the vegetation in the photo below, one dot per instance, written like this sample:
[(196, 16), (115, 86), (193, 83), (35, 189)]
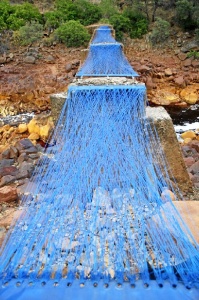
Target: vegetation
[(129, 17), (29, 33)]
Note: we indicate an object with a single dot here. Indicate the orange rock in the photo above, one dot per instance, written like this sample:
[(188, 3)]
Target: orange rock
[(8, 194), (188, 135)]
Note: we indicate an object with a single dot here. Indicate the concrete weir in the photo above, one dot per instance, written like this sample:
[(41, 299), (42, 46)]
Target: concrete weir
[(158, 118)]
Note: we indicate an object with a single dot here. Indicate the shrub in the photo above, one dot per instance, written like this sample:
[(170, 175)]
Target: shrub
[(121, 25), (5, 10), (139, 23), (194, 54), (72, 34), (29, 33), (108, 8), (185, 13), (161, 31), (52, 19)]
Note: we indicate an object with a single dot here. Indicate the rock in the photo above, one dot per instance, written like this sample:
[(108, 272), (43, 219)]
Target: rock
[(22, 157), (143, 69), (5, 154), (33, 127), (195, 145), (68, 67), (29, 59), (7, 179), (6, 162), (189, 95), (168, 72), (187, 140), (8, 171), (24, 144), (13, 152), (187, 62), (180, 81), (164, 97), (189, 161), (8, 194), (33, 136), (34, 156), (195, 178), (188, 134), (149, 83), (194, 169), (182, 56), (195, 63), (30, 150), (193, 45), (44, 131), (26, 167), (50, 59), (22, 128)]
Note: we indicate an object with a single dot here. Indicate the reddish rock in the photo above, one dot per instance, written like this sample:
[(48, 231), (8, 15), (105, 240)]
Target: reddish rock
[(189, 161), (144, 69), (68, 67), (8, 171), (194, 169), (7, 180), (5, 154), (149, 83), (180, 81), (13, 152), (195, 145), (8, 194), (195, 63), (182, 56), (187, 62)]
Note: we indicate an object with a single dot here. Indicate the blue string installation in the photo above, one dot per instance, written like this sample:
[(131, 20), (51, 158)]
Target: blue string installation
[(103, 35), (97, 219)]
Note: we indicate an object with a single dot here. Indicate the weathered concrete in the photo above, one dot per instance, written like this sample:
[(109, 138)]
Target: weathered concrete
[(57, 101), (159, 118)]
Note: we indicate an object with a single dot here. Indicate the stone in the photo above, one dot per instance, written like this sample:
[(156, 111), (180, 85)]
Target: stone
[(24, 144), (143, 69), (8, 171), (194, 169), (6, 162), (193, 45), (33, 136), (149, 83), (187, 62), (195, 145), (168, 72), (180, 81), (68, 67), (164, 97), (195, 178), (50, 59), (26, 167), (5, 154), (22, 157), (13, 152), (8, 194), (182, 56), (44, 131), (189, 161), (188, 134), (6, 180), (30, 150), (195, 63), (22, 128), (34, 156), (22, 174), (187, 140), (29, 59), (33, 127)]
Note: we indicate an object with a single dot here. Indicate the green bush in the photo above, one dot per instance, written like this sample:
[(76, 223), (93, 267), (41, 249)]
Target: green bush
[(108, 8), (161, 31), (121, 25), (53, 19), (29, 33), (72, 34), (139, 23), (5, 11), (185, 14), (194, 54)]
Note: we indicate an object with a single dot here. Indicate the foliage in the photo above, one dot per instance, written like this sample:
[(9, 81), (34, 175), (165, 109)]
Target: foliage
[(121, 25), (72, 34), (139, 23), (108, 8), (80, 10), (52, 19), (29, 33), (185, 14), (194, 54), (161, 31)]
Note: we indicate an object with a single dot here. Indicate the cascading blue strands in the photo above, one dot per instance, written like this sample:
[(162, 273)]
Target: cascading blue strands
[(98, 215), (106, 60), (97, 218), (103, 34)]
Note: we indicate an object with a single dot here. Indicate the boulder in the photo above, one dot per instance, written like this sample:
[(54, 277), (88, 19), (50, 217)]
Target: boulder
[(194, 169), (26, 167), (5, 154), (33, 127), (193, 45), (168, 72), (7, 180), (6, 162), (23, 157), (23, 145), (188, 134), (44, 131), (164, 97), (13, 152), (8, 171), (33, 136), (187, 62), (8, 194), (29, 59), (22, 128)]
